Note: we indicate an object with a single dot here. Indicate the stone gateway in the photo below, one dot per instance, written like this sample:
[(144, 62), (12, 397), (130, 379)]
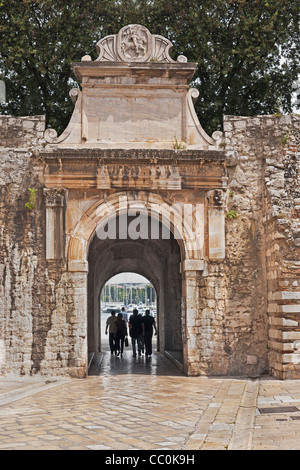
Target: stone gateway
[(134, 183)]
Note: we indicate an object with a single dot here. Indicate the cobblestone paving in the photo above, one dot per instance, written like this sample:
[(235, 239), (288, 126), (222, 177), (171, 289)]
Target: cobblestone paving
[(136, 404), (279, 430)]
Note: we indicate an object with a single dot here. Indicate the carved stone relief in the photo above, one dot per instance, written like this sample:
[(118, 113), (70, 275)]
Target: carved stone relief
[(54, 197), (134, 43)]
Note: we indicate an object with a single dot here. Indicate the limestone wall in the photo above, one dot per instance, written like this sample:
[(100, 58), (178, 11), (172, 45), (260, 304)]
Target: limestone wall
[(37, 318), (248, 306), (282, 227), (27, 131), (232, 328), (262, 242), (21, 247)]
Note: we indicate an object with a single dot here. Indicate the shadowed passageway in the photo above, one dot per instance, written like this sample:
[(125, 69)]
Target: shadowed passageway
[(158, 260), (106, 364)]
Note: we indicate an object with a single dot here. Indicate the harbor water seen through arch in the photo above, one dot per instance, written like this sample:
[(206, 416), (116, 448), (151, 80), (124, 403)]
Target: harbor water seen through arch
[(123, 293)]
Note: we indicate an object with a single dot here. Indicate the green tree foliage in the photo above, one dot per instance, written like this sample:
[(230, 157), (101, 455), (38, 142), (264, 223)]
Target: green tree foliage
[(247, 51)]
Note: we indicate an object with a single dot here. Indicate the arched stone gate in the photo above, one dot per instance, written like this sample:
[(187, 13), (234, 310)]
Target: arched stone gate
[(173, 263), (134, 142), (133, 148), (158, 260), (158, 255)]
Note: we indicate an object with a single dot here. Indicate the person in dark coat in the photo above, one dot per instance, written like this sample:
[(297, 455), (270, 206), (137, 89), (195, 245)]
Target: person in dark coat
[(148, 324), (135, 332), (120, 334)]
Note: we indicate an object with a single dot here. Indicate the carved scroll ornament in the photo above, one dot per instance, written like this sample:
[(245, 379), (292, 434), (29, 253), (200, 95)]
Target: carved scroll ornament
[(134, 43)]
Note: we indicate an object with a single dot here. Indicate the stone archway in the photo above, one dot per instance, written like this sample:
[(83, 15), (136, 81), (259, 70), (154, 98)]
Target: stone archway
[(134, 141), (159, 261), (185, 222), (106, 258)]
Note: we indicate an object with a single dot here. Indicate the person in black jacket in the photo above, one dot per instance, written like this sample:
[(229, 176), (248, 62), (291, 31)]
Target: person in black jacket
[(120, 334), (148, 323), (135, 331)]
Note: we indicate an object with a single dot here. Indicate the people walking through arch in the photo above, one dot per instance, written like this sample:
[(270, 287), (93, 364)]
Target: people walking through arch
[(110, 329), (125, 315), (120, 334), (148, 324), (135, 332)]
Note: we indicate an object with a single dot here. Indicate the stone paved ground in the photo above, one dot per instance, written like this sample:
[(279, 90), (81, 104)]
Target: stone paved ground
[(148, 405)]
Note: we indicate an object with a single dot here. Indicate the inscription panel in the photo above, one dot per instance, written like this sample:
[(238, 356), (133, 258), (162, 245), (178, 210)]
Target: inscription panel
[(148, 117)]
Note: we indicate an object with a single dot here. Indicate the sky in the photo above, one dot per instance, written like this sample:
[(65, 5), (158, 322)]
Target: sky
[(127, 277)]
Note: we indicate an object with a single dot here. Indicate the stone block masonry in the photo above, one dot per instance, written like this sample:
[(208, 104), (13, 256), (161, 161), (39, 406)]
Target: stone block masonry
[(273, 153), (21, 132), (35, 332), (246, 315), (282, 223)]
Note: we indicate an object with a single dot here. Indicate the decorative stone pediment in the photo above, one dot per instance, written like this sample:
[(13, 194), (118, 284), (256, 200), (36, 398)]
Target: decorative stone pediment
[(134, 43), (134, 95)]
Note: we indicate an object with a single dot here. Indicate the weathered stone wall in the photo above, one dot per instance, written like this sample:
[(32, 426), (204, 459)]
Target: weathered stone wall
[(232, 328), (21, 132), (247, 320), (21, 243), (249, 303), (282, 228), (36, 312), (262, 242)]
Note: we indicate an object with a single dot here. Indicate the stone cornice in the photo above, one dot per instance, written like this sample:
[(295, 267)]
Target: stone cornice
[(150, 156), (185, 71)]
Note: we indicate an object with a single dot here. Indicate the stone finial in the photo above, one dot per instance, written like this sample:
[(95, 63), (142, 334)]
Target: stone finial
[(134, 43), (182, 59)]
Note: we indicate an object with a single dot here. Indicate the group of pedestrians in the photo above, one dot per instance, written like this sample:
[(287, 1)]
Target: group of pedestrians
[(140, 330)]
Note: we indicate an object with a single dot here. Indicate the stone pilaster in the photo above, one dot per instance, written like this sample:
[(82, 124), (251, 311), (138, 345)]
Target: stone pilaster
[(55, 223), (216, 225)]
